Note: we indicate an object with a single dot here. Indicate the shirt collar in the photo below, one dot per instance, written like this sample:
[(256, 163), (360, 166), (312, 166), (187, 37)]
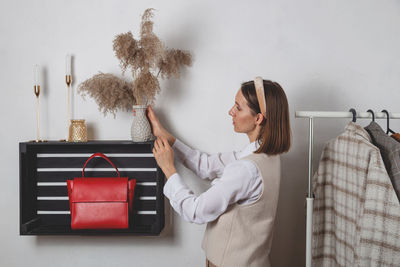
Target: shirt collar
[(249, 149), (356, 129)]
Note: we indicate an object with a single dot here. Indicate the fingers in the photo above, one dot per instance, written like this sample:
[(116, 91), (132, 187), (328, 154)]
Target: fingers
[(164, 142), (157, 144), (156, 127), (158, 130), (149, 110), (155, 147), (160, 144), (151, 114)]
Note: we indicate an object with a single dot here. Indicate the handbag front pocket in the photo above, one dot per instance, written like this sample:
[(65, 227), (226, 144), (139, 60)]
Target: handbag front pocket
[(100, 215)]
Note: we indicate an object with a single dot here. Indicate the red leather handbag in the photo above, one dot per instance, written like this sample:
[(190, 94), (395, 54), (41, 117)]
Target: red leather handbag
[(100, 202)]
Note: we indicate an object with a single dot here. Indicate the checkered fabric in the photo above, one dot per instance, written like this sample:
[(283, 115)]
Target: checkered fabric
[(390, 151), (356, 219)]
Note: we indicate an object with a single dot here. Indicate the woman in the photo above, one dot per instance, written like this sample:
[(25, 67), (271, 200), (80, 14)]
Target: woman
[(239, 208)]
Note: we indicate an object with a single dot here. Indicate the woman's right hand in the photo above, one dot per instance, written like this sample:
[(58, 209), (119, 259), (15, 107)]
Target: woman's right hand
[(157, 129)]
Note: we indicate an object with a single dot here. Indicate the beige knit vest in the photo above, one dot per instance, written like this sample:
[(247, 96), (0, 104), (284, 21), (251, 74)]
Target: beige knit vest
[(242, 236)]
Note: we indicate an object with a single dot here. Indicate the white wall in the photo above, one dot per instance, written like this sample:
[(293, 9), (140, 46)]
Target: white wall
[(327, 55)]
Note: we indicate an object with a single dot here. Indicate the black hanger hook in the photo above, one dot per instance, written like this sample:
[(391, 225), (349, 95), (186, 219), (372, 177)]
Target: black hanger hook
[(352, 110), (387, 120), (372, 112)]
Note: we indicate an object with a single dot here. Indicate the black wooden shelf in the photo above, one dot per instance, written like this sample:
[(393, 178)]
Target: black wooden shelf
[(46, 166)]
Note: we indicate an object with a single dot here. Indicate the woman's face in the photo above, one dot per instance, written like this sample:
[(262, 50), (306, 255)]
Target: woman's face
[(242, 118)]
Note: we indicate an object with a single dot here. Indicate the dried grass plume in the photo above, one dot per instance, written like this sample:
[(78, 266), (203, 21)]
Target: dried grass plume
[(145, 87), (144, 57), (109, 92)]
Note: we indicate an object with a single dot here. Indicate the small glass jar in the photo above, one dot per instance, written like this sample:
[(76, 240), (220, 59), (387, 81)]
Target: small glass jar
[(77, 131)]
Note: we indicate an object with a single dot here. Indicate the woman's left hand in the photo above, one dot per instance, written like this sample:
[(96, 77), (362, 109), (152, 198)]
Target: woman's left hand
[(164, 156)]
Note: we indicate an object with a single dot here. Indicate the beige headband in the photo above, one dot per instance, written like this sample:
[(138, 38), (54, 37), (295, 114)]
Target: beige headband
[(258, 83)]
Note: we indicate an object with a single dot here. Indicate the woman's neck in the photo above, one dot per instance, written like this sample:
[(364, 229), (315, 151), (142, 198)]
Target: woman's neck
[(253, 134)]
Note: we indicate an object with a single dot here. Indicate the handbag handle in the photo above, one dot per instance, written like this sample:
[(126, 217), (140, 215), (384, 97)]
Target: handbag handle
[(98, 155)]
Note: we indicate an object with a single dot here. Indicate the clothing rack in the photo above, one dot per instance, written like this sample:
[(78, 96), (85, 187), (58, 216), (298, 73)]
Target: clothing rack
[(310, 199)]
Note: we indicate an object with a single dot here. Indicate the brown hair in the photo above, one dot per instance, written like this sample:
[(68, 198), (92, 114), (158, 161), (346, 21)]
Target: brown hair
[(274, 136)]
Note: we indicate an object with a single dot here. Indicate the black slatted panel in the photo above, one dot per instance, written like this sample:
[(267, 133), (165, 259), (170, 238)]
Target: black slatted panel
[(63, 205), (61, 220), (56, 191), (75, 162), (44, 171), (64, 176)]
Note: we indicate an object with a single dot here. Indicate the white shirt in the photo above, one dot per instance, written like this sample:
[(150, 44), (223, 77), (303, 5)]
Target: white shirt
[(239, 181)]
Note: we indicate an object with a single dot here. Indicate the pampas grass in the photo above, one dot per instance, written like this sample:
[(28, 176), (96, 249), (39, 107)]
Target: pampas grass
[(109, 92), (125, 48), (144, 57), (170, 64), (145, 87)]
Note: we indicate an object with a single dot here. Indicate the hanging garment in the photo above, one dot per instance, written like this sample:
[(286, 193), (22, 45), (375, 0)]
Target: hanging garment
[(390, 151), (356, 219)]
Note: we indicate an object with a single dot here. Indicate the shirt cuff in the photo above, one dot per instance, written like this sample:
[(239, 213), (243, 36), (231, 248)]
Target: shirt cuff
[(177, 143), (181, 150), (173, 185)]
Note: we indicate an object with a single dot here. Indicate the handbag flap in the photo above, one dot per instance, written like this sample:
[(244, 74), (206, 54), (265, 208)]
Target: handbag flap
[(100, 189)]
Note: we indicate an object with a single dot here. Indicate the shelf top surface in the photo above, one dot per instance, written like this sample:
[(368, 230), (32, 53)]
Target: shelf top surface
[(91, 142)]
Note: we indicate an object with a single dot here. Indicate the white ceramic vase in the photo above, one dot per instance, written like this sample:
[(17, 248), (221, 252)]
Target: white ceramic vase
[(140, 129)]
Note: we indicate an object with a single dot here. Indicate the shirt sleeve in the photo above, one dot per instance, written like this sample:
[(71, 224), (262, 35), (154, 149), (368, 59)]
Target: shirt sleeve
[(240, 180), (206, 166)]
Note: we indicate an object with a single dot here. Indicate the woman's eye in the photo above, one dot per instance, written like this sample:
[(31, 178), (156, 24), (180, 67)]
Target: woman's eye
[(237, 107)]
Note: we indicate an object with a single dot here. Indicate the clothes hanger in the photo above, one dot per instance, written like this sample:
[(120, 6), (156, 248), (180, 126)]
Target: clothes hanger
[(373, 115), (395, 136), (387, 122), (352, 110)]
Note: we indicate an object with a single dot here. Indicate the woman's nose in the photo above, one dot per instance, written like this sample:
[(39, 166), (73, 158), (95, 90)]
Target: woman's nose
[(231, 112)]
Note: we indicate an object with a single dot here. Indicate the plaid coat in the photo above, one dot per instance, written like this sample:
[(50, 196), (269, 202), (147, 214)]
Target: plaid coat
[(390, 151), (356, 219)]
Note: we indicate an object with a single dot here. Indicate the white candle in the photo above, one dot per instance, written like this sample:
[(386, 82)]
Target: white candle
[(68, 65), (36, 74)]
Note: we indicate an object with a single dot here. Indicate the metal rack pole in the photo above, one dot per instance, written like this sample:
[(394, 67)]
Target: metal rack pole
[(344, 114), (310, 198)]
